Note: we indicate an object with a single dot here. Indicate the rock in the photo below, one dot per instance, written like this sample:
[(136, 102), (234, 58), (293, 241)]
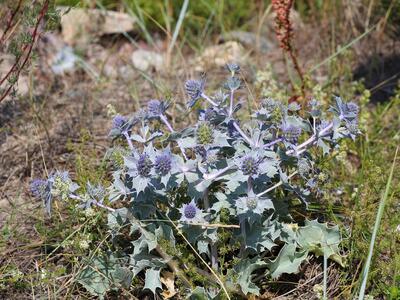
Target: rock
[(220, 55), (248, 39), (79, 25), (144, 60)]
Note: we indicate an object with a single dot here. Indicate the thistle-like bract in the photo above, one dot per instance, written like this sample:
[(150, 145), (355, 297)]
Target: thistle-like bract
[(119, 121), (38, 187), (205, 133), (249, 165), (144, 165), (163, 164)]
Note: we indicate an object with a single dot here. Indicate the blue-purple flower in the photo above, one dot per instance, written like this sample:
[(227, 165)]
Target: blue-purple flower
[(194, 89), (163, 163), (249, 165), (38, 187), (144, 165), (119, 121), (156, 108), (191, 213), (290, 132)]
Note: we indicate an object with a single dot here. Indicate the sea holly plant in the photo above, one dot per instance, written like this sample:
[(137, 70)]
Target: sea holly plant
[(224, 188)]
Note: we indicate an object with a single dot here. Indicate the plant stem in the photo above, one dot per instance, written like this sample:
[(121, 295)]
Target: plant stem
[(128, 139), (231, 103), (311, 139), (209, 100), (276, 185), (272, 143), (248, 140)]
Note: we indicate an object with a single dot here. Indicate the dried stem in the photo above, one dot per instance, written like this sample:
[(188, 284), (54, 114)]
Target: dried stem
[(28, 48)]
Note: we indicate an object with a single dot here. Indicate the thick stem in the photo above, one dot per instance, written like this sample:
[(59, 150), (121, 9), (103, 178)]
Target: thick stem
[(231, 104), (168, 124), (209, 99), (95, 202), (214, 252), (128, 139), (248, 140), (311, 139), (272, 143), (217, 174), (276, 185)]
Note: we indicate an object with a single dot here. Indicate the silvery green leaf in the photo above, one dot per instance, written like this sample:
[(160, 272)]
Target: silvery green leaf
[(165, 232), (200, 293), (222, 203), (244, 270), (188, 142), (202, 247), (103, 273), (146, 242), (152, 281), (288, 261), (324, 146), (257, 238), (320, 239), (141, 261), (117, 218), (221, 139), (137, 138)]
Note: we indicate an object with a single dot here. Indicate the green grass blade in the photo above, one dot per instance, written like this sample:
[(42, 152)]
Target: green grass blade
[(182, 15), (378, 219)]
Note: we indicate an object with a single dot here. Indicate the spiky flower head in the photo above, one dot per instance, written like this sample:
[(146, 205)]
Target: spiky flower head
[(249, 165), (291, 132), (156, 108), (191, 213), (252, 204), (194, 89), (303, 166), (204, 133), (351, 107), (116, 156), (144, 165), (38, 187), (163, 163), (62, 184), (233, 68), (119, 121)]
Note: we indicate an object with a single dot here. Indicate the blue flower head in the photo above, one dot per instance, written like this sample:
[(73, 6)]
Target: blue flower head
[(119, 121), (249, 165), (163, 163), (194, 89), (156, 108), (191, 213), (38, 187), (253, 205), (290, 132), (144, 165)]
